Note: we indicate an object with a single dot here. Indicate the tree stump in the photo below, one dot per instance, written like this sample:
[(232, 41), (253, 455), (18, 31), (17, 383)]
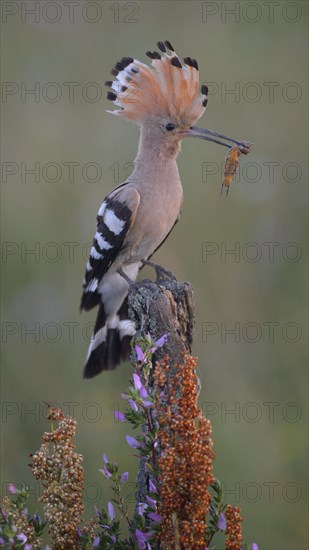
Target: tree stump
[(164, 307)]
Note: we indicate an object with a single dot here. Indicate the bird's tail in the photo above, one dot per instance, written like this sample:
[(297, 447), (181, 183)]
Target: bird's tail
[(110, 342)]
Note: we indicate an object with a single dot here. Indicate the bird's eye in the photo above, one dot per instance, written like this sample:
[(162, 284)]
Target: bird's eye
[(169, 127)]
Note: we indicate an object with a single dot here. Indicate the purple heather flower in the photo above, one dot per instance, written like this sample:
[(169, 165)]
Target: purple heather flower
[(22, 537), (142, 539), (222, 522), (133, 405), (124, 477), (137, 381), (27, 547), (141, 507), (139, 386), (140, 354), (111, 510), (155, 517), (162, 341), (132, 442), (151, 501), (36, 519), (105, 459), (152, 487), (96, 542), (147, 403), (11, 489), (119, 416), (143, 392), (105, 472), (254, 546), (2, 541), (159, 343)]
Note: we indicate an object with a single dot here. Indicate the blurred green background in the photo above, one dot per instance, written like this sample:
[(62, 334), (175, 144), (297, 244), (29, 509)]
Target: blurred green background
[(65, 53)]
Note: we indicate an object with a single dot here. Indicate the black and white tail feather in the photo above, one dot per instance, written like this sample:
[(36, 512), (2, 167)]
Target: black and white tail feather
[(104, 286)]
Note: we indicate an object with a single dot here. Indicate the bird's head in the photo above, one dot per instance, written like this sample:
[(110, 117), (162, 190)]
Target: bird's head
[(165, 99)]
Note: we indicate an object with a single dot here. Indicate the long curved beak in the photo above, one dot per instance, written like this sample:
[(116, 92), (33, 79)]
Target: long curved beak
[(209, 135)]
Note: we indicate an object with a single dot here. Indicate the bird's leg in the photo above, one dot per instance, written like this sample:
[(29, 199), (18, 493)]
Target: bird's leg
[(125, 276), (161, 272)]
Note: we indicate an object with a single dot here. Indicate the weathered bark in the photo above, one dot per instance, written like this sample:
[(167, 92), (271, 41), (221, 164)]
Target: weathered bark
[(164, 307)]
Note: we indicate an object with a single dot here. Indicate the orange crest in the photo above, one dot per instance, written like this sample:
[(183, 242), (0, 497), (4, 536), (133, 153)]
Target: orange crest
[(168, 88)]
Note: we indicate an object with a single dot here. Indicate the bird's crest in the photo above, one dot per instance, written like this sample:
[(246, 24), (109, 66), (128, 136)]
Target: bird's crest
[(168, 87)]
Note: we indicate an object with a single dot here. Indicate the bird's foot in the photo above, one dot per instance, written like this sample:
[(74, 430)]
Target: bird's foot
[(130, 282), (161, 272)]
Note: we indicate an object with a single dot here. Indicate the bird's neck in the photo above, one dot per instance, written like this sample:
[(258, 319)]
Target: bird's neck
[(155, 153)]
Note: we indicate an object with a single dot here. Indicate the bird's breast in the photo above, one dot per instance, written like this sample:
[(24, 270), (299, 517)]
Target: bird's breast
[(157, 213)]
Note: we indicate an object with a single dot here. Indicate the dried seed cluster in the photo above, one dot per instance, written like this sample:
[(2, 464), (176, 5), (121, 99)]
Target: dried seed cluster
[(60, 469), (233, 528), (186, 457)]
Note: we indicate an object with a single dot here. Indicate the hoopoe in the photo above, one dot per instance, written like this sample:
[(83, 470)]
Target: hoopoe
[(136, 217)]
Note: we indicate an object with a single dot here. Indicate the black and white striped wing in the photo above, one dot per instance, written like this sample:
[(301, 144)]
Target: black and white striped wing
[(115, 219)]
